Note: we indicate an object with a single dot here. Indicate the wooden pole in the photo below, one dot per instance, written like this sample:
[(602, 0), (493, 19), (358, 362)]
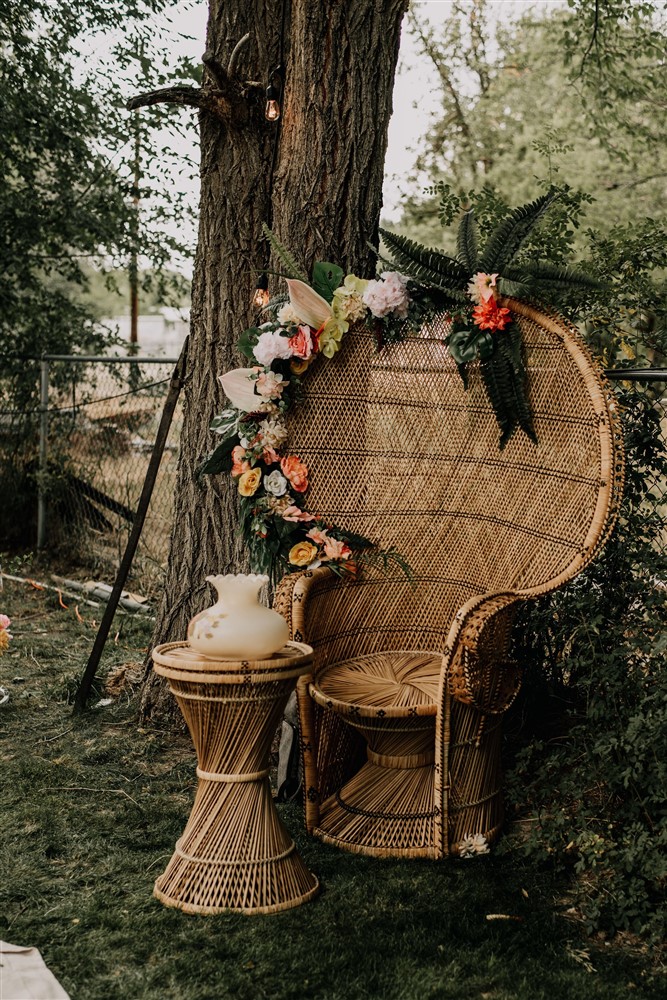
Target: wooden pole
[(175, 385), (134, 255)]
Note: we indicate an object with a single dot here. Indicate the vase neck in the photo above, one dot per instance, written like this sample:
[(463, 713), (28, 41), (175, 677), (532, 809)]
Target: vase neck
[(236, 592)]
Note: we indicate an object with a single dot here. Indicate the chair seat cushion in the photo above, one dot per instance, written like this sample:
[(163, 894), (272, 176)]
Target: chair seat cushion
[(396, 683)]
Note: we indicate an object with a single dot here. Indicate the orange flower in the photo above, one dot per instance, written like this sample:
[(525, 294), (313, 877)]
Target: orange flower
[(297, 473), (270, 456), (490, 316), (240, 464)]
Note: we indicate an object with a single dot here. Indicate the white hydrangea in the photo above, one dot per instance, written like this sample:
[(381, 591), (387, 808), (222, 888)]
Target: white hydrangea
[(272, 345)]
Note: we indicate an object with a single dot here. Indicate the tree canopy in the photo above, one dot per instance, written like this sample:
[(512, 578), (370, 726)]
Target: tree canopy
[(527, 102), (73, 163)]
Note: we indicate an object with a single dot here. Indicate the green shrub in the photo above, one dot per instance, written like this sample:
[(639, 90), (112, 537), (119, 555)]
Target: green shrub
[(589, 759)]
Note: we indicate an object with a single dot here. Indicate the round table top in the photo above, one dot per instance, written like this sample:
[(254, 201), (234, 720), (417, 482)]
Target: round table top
[(177, 660)]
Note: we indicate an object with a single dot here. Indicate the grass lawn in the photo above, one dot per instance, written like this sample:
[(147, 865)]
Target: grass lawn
[(91, 808)]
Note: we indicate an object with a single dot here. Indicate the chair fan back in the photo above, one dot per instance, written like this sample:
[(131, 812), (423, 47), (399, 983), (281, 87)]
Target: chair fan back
[(400, 452)]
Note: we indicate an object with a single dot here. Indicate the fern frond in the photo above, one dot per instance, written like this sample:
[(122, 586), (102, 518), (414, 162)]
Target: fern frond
[(508, 237), (554, 274), (495, 378), (466, 242), (291, 267), (515, 287), (445, 268)]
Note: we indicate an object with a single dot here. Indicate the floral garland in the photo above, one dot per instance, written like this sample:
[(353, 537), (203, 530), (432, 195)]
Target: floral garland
[(280, 533)]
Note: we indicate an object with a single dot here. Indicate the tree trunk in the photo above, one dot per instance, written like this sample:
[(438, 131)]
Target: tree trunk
[(321, 193)]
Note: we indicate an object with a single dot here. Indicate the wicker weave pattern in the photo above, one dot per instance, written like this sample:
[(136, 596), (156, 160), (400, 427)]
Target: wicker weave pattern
[(235, 852), (398, 451)]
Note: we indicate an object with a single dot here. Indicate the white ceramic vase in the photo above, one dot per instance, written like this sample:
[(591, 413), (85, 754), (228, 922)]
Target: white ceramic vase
[(237, 626)]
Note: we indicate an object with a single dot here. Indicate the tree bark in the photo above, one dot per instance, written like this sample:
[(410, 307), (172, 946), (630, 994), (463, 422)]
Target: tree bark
[(321, 193)]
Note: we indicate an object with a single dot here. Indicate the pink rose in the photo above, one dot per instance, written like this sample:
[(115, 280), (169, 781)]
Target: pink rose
[(301, 344)]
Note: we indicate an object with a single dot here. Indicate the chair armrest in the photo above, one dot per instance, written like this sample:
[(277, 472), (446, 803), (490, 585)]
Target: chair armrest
[(476, 667), (291, 599)]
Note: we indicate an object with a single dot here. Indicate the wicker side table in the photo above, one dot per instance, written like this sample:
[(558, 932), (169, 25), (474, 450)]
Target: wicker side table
[(235, 853)]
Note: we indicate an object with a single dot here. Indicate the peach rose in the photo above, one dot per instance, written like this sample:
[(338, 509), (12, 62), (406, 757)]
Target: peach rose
[(334, 549), (301, 343), (249, 482), (297, 473), (240, 464), (270, 456), (302, 554)]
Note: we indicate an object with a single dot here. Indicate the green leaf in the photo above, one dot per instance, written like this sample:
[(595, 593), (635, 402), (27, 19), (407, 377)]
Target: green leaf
[(220, 460), (508, 237), (247, 340), (326, 279), (466, 242), (461, 347)]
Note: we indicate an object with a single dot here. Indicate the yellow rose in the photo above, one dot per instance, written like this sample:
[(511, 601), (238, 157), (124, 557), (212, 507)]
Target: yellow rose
[(249, 482), (298, 365), (302, 554)]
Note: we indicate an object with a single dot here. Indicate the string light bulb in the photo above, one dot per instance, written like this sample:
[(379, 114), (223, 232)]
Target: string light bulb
[(272, 109), (261, 296)]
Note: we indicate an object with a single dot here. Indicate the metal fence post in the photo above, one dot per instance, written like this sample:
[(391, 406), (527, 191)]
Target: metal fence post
[(43, 452)]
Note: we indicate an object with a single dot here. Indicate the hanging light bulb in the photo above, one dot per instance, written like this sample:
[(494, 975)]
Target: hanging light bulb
[(261, 296), (272, 109)]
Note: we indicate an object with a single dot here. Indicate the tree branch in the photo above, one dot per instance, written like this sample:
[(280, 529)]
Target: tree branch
[(230, 108), (594, 38), (227, 100), (234, 58)]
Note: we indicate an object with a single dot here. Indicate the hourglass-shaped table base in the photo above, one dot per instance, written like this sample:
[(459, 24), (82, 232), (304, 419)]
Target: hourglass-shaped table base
[(235, 853)]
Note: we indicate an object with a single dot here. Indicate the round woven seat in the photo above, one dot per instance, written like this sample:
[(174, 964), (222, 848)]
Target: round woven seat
[(395, 684)]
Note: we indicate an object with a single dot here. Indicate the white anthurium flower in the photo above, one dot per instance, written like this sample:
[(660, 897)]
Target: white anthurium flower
[(310, 307), (240, 389)]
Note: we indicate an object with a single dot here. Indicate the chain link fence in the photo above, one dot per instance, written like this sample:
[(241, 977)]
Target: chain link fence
[(97, 425)]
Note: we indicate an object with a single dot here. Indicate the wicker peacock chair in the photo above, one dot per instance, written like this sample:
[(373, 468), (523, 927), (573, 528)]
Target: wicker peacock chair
[(401, 720)]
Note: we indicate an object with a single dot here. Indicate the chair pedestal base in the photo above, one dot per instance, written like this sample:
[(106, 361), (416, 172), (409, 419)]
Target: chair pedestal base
[(387, 809)]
